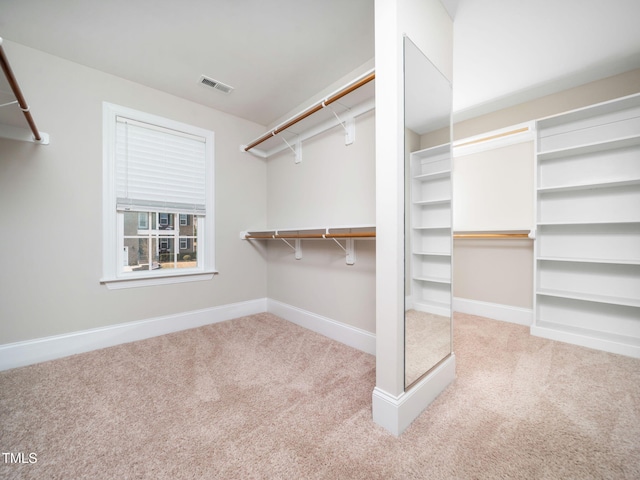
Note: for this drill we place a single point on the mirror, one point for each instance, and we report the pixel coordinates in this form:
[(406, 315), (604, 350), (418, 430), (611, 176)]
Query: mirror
[(428, 236)]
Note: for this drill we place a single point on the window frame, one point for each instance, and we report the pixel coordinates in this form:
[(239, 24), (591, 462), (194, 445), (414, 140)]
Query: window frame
[(114, 276)]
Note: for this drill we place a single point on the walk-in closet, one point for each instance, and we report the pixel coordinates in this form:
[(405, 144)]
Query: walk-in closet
[(364, 169)]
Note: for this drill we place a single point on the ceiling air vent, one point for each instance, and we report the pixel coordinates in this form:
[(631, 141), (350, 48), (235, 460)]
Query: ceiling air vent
[(210, 82)]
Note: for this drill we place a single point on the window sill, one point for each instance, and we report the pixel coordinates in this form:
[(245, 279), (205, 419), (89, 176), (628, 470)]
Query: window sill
[(147, 281)]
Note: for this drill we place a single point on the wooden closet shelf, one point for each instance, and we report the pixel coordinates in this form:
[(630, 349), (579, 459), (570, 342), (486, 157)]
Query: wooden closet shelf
[(349, 234), (267, 236)]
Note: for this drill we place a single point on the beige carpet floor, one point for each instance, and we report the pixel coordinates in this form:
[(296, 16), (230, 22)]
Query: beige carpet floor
[(261, 398)]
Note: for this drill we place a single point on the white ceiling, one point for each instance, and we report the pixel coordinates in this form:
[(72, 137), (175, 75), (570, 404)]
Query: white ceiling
[(510, 51), (278, 54)]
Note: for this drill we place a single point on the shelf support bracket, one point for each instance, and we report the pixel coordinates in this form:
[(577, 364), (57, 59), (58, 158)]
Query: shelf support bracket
[(297, 150), (15, 102), (348, 125), (297, 248), (349, 250)]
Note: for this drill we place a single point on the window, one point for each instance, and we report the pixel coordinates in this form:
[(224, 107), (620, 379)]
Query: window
[(143, 221), (158, 200)]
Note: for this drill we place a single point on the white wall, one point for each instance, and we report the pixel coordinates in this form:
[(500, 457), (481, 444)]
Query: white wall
[(51, 197), (493, 189), (499, 272), (594, 92), (334, 185)]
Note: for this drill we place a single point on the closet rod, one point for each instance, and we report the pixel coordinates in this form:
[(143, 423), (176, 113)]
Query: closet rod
[(319, 106), (490, 235), (13, 83), (311, 235)]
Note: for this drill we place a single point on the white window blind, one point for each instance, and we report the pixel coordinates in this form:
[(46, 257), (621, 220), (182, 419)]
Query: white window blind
[(159, 169)]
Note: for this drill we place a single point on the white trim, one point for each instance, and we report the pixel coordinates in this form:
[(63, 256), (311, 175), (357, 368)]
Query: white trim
[(352, 336), (495, 311), (19, 354), (112, 223), (584, 340), (180, 276), (395, 414), (495, 139), (28, 352), (409, 303)]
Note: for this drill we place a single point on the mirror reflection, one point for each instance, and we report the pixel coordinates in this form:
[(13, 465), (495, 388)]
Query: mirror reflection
[(428, 240)]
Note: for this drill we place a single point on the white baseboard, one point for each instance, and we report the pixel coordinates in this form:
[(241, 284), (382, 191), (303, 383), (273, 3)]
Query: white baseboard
[(395, 414), (352, 336), (438, 309), (28, 352), (585, 340), (19, 354), (495, 311)]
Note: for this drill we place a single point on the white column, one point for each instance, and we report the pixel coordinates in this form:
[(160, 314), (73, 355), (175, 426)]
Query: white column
[(430, 27)]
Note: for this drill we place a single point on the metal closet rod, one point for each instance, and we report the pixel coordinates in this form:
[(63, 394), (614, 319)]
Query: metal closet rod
[(311, 235), (13, 83), (319, 106)]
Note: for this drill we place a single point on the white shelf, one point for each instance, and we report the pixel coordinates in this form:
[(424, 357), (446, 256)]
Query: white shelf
[(612, 261), (623, 142), (628, 345), (593, 128), (614, 204), (618, 243), (432, 202), (430, 222), (435, 153), (347, 233), (432, 279), (581, 222), (588, 186), (425, 177), (588, 297), (435, 227)]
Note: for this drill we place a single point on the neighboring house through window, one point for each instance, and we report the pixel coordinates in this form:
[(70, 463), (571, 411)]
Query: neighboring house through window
[(158, 195)]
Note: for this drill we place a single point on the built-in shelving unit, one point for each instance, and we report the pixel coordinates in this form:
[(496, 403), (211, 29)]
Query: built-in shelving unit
[(587, 286), (430, 230)]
